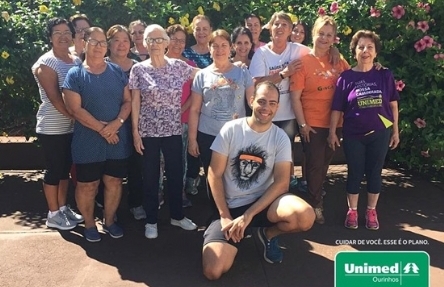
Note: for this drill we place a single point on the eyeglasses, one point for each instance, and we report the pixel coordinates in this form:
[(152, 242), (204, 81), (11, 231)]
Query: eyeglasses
[(93, 42), (157, 40), (64, 33), (179, 41), (80, 30), (137, 32)]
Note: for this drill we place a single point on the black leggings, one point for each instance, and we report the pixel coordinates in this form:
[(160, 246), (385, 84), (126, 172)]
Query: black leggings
[(171, 148), (58, 160), (366, 156), (205, 141)]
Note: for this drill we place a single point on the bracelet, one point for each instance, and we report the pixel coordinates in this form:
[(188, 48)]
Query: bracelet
[(281, 75)]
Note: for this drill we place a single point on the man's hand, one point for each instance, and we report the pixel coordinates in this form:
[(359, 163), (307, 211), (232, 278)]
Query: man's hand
[(226, 223), (236, 228)]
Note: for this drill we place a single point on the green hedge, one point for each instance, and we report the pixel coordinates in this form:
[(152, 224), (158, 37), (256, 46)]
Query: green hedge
[(397, 23)]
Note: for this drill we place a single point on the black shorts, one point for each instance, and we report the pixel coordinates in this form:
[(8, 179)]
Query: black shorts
[(214, 233), (89, 172)]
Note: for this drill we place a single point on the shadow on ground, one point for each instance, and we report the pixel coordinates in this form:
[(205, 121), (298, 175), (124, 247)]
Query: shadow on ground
[(409, 209)]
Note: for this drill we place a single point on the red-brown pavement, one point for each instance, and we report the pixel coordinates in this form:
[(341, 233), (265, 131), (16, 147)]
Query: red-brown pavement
[(409, 209)]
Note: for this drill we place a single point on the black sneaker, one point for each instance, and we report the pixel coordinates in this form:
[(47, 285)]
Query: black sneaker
[(272, 251)]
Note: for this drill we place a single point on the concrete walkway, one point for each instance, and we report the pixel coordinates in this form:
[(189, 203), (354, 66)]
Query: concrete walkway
[(32, 255)]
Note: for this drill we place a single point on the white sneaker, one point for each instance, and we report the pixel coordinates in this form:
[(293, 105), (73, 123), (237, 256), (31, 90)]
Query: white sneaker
[(151, 231), (185, 223), (60, 221), (72, 215), (138, 212)]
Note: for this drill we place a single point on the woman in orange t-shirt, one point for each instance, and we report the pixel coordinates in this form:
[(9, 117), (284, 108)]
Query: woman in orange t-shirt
[(312, 89)]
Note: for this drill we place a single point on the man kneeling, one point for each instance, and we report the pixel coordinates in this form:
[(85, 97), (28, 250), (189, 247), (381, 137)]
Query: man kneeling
[(249, 178)]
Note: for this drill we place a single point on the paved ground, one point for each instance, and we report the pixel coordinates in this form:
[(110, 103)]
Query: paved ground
[(32, 255)]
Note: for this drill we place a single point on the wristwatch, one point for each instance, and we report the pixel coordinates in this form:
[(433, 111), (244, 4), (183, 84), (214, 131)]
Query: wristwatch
[(121, 120), (281, 75), (302, 126)]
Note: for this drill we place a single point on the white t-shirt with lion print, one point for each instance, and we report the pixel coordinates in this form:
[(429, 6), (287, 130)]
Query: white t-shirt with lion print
[(251, 159)]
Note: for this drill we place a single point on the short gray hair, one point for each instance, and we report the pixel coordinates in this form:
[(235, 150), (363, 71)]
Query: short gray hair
[(152, 28)]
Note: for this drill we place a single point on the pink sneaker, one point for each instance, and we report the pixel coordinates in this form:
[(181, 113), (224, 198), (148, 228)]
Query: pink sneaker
[(351, 220), (371, 219)]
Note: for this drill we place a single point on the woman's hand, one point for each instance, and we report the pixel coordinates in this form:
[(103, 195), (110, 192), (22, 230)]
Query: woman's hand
[(113, 139), (112, 128), (193, 148), (394, 140), (378, 66), (292, 68), (335, 56), (138, 144), (305, 133), (333, 141), (240, 64)]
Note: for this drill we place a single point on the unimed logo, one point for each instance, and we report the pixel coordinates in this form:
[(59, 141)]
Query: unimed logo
[(382, 268)]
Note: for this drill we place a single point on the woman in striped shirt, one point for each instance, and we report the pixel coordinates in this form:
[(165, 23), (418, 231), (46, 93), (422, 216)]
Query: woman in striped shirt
[(54, 124)]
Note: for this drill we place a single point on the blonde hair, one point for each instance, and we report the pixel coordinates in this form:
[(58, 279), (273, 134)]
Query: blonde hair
[(323, 21), (278, 15)]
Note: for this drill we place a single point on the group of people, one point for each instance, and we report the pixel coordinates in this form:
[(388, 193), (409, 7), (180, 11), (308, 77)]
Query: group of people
[(131, 102)]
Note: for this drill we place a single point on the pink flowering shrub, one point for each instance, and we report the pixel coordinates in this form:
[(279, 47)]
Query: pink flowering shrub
[(398, 11), (334, 7), (374, 12), (411, 31), (423, 26), (399, 85)]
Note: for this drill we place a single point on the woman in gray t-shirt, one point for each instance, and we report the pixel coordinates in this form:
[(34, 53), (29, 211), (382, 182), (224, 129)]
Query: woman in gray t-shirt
[(217, 97)]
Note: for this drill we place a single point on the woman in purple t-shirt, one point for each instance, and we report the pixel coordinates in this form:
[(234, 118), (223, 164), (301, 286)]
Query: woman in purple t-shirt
[(369, 102)]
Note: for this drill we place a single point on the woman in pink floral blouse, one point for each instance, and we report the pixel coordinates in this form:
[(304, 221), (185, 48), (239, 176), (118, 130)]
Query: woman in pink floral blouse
[(156, 87)]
